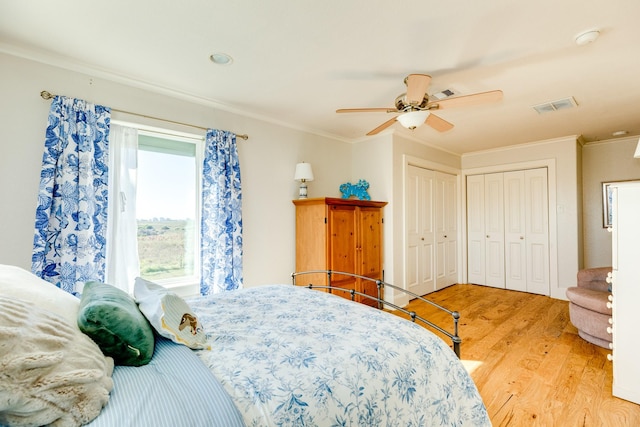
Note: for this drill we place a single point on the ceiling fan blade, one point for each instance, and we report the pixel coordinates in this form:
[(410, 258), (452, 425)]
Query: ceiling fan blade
[(467, 100), (366, 110), (438, 123), (382, 127), (417, 85)]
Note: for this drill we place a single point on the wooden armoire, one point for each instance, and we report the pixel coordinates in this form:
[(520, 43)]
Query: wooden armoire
[(340, 235)]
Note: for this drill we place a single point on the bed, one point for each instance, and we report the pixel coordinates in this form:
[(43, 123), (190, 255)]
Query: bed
[(280, 355)]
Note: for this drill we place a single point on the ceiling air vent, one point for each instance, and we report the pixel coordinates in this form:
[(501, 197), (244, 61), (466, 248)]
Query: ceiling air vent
[(444, 94), (561, 104)]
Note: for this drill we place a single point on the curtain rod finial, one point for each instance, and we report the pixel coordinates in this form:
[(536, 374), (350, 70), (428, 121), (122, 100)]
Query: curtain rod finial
[(46, 95)]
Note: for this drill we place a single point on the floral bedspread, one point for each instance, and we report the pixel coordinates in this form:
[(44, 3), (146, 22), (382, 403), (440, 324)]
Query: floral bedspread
[(290, 356)]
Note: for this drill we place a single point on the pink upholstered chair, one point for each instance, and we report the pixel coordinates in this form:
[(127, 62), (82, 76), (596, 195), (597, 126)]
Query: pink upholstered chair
[(588, 309)]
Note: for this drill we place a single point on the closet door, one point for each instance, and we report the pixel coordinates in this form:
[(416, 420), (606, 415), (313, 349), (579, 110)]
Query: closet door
[(514, 231), (494, 229), (420, 253), (475, 230), (537, 231), (446, 230), (508, 230)]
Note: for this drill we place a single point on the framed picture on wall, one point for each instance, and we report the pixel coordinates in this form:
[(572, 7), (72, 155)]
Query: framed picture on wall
[(607, 208)]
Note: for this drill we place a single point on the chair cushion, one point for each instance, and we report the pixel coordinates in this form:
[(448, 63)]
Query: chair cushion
[(594, 324), (594, 278), (595, 340), (589, 299)]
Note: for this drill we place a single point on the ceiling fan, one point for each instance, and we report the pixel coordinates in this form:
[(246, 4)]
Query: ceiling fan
[(415, 107)]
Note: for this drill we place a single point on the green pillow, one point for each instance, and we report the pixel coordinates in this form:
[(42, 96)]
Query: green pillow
[(112, 319)]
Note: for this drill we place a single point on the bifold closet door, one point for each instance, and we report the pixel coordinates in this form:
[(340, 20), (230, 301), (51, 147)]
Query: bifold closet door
[(537, 231), (432, 232), (508, 230), (514, 231), (494, 229), (446, 230), (527, 231), (475, 229), (420, 251), (485, 230)]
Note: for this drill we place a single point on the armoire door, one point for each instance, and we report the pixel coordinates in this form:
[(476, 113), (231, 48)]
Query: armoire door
[(342, 244), (420, 251), (369, 249)]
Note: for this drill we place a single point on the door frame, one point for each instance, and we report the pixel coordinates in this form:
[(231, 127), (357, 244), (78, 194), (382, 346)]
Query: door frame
[(550, 164)]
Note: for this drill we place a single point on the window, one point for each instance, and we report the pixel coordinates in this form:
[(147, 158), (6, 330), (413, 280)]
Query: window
[(167, 209)]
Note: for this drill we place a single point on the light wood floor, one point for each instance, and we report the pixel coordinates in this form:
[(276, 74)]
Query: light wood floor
[(527, 360)]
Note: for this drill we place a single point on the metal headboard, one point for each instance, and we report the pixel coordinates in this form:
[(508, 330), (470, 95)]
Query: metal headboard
[(380, 301)]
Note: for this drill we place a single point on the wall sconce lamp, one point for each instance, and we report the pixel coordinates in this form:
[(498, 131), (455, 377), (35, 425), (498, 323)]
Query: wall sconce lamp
[(303, 174), (637, 153)]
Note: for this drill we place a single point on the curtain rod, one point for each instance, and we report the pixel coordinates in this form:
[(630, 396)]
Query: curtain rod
[(48, 95)]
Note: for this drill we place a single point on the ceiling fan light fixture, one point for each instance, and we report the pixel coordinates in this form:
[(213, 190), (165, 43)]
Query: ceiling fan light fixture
[(413, 119)]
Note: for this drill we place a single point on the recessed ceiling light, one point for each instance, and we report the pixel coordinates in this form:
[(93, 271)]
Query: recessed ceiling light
[(587, 37), (619, 133), (221, 58)]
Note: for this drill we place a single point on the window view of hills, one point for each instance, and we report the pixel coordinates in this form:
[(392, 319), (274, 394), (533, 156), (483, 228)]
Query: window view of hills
[(163, 248)]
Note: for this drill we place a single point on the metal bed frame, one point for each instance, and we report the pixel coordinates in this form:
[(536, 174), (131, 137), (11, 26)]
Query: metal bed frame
[(381, 302)]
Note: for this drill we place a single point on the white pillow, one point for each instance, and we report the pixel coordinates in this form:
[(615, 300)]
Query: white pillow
[(169, 314), (22, 284), (52, 374)]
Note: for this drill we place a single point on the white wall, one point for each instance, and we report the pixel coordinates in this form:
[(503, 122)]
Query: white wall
[(604, 161), (565, 198), (267, 160)]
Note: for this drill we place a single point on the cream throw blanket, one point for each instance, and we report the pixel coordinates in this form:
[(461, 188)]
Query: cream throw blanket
[(50, 372)]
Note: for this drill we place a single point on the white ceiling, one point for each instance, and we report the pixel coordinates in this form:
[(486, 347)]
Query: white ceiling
[(296, 62)]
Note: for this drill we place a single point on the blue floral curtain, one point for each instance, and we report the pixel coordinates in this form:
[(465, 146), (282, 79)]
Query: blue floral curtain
[(221, 247), (69, 240)]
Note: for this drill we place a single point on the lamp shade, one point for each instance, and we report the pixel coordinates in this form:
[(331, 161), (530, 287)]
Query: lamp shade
[(637, 153), (303, 172), (413, 119)]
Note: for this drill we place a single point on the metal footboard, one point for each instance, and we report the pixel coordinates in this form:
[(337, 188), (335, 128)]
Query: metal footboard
[(380, 301)]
